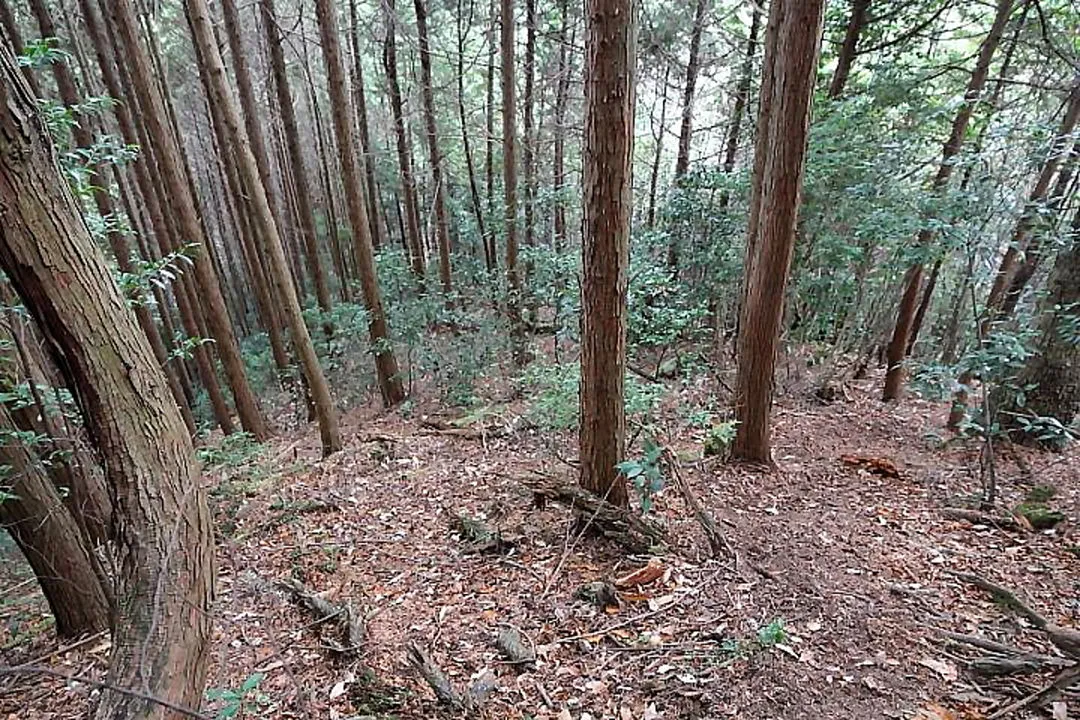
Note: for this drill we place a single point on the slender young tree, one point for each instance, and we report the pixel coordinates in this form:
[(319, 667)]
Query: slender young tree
[(401, 132), (509, 141), (610, 48), (366, 149), (183, 203), (562, 90), (222, 97), (390, 385), (528, 144), (164, 537), (849, 48), (442, 223), (742, 96), (792, 42)]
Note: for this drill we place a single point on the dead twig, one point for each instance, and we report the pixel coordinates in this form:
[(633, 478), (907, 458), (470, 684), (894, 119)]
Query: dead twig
[(717, 541), (1061, 683)]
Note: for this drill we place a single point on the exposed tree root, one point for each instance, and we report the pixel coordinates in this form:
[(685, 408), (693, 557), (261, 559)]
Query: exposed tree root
[(353, 629)]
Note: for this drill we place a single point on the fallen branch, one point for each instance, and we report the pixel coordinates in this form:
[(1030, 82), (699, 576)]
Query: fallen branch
[(434, 676), (1004, 596), (1061, 683), (980, 518), (717, 541), (350, 622), (632, 532)]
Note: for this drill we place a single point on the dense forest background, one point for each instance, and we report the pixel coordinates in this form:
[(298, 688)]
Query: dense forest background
[(595, 236)]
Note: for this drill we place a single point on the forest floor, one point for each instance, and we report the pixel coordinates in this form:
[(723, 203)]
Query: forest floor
[(833, 609)]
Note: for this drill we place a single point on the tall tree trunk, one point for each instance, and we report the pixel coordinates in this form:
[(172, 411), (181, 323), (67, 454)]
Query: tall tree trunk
[(905, 317), (849, 49), (442, 225), (401, 133), (924, 305), (164, 589), (221, 95), (562, 90), (528, 162), (489, 120), (474, 192), (509, 115), (610, 50), (390, 385), (69, 95), (50, 539), (11, 30), (1052, 374), (658, 153), (183, 205), (742, 97), (365, 134), (253, 125), (792, 42), (686, 125)]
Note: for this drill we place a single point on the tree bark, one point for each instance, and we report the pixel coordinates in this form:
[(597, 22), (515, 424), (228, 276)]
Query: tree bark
[(390, 385), (401, 133), (365, 134), (562, 90), (221, 95), (905, 317), (610, 48), (11, 29), (489, 158), (474, 192), (849, 49), (50, 539), (162, 616), (509, 141), (528, 162), (442, 225), (791, 50), (183, 205), (742, 97)]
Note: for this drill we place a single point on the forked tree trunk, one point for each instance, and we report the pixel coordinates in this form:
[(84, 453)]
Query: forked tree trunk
[(390, 385), (913, 278), (164, 539), (509, 142), (50, 539), (183, 204), (791, 50), (610, 48), (850, 47), (222, 97), (442, 224), (401, 133)]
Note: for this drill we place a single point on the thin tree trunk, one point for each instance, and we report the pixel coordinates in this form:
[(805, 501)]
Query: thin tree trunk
[(849, 49), (791, 51), (742, 97), (924, 305), (162, 615), (365, 136), (905, 318), (390, 385), (509, 140), (658, 153), (474, 192), (489, 120), (528, 139), (221, 95), (401, 133), (610, 47), (562, 90), (442, 226)]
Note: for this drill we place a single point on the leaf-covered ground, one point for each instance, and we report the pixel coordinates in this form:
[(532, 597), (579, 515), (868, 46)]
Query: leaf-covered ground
[(833, 608)]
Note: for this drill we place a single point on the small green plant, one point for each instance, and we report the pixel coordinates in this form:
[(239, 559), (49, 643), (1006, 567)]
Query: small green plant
[(645, 473), (719, 438), (235, 449), (772, 634), (240, 701)]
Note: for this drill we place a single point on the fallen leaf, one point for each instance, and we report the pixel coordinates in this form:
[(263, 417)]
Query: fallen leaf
[(945, 669), (642, 576), (933, 711), (338, 690), (1061, 711)]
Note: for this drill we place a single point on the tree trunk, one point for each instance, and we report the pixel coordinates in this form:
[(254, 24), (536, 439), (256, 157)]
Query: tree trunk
[(11, 30), (562, 90), (50, 539), (509, 139), (611, 51), (849, 48), (365, 135), (183, 205), (222, 97), (924, 305), (474, 192), (528, 162), (1052, 374), (905, 317), (686, 125), (791, 51), (393, 392), (658, 153), (442, 226), (489, 120), (742, 97), (401, 133), (162, 616)]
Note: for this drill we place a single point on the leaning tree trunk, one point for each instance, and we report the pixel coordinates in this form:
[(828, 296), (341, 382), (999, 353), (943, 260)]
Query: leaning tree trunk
[(442, 223), (905, 316), (221, 95), (390, 385), (610, 47), (849, 49), (791, 50), (164, 537), (1051, 377), (742, 97), (50, 539), (366, 149), (184, 205)]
